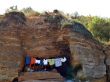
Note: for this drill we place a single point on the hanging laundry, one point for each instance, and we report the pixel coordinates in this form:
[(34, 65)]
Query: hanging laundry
[(27, 60), (32, 61), (45, 61), (63, 59), (41, 62), (51, 61), (37, 61), (58, 62)]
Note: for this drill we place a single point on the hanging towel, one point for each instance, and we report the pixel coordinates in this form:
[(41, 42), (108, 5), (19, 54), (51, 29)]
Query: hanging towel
[(45, 61), (63, 59), (32, 61), (27, 60), (58, 62), (51, 61), (37, 61)]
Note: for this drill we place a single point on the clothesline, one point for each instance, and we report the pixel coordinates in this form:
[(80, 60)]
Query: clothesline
[(43, 62)]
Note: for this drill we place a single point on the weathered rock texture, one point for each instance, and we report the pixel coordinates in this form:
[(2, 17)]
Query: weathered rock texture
[(91, 58), (107, 52), (45, 36), (50, 76), (89, 53), (10, 49)]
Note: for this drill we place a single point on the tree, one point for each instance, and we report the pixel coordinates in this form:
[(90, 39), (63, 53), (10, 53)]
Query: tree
[(100, 28)]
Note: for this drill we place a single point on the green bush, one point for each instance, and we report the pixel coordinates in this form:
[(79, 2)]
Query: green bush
[(30, 12), (100, 28)]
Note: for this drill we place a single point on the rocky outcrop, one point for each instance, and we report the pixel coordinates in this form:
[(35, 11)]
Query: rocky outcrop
[(10, 54), (40, 76), (20, 36), (107, 52), (44, 34), (10, 50), (91, 59), (89, 53)]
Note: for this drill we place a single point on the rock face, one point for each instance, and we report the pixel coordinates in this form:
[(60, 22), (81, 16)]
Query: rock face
[(89, 53), (91, 58), (43, 35), (40, 39), (10, 50), (40, 76), (107, 52)]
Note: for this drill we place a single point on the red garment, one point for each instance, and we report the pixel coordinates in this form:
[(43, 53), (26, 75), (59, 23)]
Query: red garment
[(32, 61)]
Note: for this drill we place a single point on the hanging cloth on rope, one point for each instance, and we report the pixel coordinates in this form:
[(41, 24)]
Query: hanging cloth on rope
[(45, 61), (37, 61), (27, 60), (51, 61), (58, 62), (63, 59), (32, 61)]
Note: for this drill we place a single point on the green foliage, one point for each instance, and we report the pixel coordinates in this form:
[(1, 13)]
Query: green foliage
[(85, 20), (30, 12), (65, 22), (100, 28)]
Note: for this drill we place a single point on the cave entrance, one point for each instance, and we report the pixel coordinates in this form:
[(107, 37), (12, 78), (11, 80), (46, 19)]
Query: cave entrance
[(58, 63)]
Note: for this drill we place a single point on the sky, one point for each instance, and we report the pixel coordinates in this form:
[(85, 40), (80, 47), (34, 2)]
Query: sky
[(83, 7)]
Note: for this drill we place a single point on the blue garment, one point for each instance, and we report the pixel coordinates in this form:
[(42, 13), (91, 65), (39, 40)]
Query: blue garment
[(41, 62), (27, 60)]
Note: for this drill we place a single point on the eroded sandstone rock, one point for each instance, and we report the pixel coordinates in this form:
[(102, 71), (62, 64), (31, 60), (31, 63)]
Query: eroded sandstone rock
[(37, 35), (107, 52)]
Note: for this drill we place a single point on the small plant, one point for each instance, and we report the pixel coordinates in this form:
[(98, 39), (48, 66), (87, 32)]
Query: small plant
[(30, 12)]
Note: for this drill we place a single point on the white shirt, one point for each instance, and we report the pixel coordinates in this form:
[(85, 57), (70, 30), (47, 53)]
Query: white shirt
[(37, 61), (63, 59), (45, 61)]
